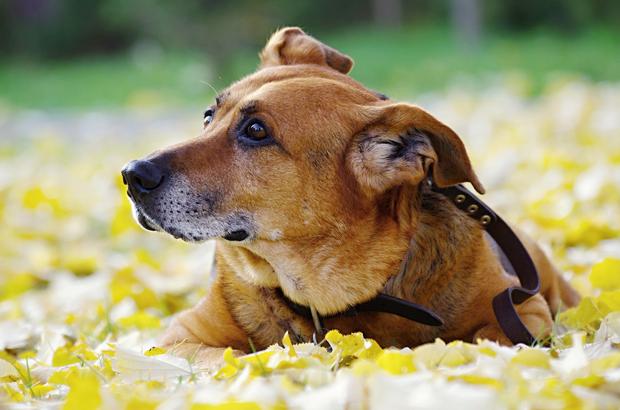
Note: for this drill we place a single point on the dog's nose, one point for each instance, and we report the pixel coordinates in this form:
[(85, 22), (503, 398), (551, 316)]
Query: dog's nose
[(142, 176)]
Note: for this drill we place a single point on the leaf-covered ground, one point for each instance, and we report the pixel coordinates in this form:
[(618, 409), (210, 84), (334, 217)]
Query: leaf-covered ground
[(84, 292)]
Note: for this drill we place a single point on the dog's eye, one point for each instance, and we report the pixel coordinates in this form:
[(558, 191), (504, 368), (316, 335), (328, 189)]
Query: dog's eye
[(208, 117), (256, 131), (253, 133)]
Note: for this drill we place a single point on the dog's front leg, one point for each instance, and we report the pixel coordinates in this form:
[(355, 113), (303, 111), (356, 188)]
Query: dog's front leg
[(181, 342), (202, 333), (534, 313)]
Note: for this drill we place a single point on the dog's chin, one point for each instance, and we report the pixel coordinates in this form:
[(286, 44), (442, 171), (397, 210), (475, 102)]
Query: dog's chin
[(143, 222), (235, 235)]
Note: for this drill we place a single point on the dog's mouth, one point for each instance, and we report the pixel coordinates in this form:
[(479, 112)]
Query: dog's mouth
[(238, 235), (144, 221), (230, 231)]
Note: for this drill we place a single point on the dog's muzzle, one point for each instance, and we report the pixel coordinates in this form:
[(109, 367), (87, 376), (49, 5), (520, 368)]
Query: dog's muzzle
[(163, 201)]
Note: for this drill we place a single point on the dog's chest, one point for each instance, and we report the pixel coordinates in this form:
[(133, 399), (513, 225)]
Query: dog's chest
[(267, 318)]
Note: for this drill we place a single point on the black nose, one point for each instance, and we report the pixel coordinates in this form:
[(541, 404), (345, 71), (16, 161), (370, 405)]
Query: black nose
[(142, 176)]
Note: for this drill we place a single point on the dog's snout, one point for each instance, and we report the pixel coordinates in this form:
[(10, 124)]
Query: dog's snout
[(142, 176)]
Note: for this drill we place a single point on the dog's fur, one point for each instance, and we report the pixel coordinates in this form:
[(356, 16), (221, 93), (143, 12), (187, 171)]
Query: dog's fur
[(332, 206)]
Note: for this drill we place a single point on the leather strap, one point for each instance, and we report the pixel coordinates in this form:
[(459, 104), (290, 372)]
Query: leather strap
[(516, 255), (381, 303), (504, 303)]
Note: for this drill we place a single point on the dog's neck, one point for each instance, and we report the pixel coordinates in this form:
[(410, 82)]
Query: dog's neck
[(444, 242), (415, 238)]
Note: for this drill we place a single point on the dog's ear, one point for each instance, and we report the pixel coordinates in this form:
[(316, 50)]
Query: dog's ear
[(403, 144), (291, 45)]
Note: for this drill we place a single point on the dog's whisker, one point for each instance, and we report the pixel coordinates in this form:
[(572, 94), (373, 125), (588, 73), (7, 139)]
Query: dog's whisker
[(210, 86)]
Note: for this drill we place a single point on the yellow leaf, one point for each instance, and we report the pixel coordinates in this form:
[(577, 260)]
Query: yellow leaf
[(532, 358), (79, 263), (84, 391), (106, 369), (145, 298), (605, 275), (226, 372), (229, 357), (396, 362), (608, 302), (63, 356), (8, 373), (586, 315), (486, 350), (125, 284), (138, 403), (40, 390), (354, 345), (366, 367), (72, 353), (453, 357), (155, 351), (482, 380), (21, 369), (297, 363), (602, 364), (144, 256), (16, 284), (153, 384), (29, 354), (34, 197), (371, 350), (430, 354), (258, 359), (286, 341), (61, 376), (591, 381), (140, 320), (231, 365), (333, 337), (13, 393), (558, 391), (231, 405)]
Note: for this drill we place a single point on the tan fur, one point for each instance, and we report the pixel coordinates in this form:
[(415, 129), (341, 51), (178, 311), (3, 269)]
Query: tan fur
[(338, 203)]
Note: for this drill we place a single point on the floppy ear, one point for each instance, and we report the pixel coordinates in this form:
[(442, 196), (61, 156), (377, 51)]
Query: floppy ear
[(291, 45), (403, 145)]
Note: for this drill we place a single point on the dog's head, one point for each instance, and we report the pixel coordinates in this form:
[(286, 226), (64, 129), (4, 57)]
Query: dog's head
[(297, 151)]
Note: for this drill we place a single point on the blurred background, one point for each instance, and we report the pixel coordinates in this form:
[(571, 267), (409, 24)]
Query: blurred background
[(110, 53)]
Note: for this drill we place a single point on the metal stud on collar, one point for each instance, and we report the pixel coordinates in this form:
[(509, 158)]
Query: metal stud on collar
[(472, 208)]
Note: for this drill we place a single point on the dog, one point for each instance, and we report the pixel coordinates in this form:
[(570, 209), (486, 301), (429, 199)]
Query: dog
[(315, 190)]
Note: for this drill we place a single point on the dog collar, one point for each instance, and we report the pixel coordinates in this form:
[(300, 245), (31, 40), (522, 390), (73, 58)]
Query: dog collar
[(381, 303), (513, 256)]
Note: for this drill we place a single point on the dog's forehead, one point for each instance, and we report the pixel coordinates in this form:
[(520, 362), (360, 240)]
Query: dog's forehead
[(306, 106), (300, 81)]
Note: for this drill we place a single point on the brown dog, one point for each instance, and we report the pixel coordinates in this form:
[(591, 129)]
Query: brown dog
[(314, 188)]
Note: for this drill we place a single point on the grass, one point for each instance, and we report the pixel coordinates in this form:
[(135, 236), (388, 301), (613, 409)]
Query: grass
[(398, 62)]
